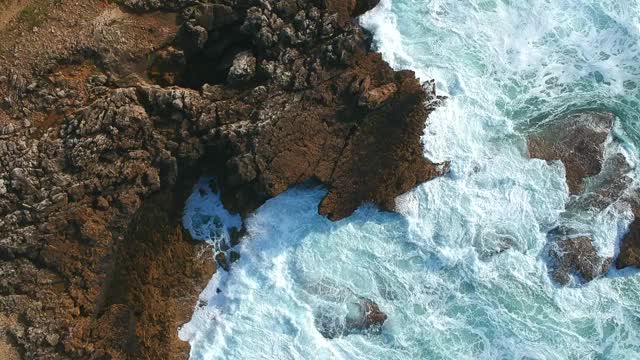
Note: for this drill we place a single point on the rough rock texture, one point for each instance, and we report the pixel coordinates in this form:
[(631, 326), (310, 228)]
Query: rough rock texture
[(630, 245), (595, 181), (96, 162), (578, 141), (371, 316), (345, 109), (575, 255)]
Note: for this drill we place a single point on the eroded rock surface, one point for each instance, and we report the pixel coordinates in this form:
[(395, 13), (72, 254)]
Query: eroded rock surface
[(96, 161), (577, 140), (573, 257), (596, 180), (630, 244)]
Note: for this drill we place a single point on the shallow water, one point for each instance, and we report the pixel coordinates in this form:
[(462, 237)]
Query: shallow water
[(460, 270)]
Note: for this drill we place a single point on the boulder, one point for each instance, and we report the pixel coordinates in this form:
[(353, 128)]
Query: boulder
[(630, 245), (243, 68), (578, 140), (575, 257)]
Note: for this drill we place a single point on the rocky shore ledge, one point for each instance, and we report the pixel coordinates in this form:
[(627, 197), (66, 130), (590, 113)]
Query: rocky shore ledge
[(109, 113)]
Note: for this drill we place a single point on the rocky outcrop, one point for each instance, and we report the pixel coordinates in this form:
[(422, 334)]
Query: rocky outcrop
[(370, 317), (344, 107), (150, 5), (95, 163), (630, 244), (596, 182), (575, 259), (342, 312), (577, 140)]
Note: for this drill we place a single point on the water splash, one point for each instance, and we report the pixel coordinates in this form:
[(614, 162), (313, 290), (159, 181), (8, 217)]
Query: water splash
[(460, 271)]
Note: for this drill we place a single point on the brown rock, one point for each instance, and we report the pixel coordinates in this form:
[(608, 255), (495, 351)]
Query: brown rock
[(577, 140), (374, 98), (113, 265), (372, 315), (630, 245), (576, 256), (223, 262)]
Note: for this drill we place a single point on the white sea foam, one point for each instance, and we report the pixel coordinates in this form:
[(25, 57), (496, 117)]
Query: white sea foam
[(461, 270), (206, 218)]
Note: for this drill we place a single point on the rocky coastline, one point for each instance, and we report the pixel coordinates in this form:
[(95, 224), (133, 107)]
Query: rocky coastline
[(104, 132), (111, 111)]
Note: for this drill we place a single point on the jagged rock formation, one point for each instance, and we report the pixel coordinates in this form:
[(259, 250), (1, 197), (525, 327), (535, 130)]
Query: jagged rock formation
[(578, 141), (574, 255), (630, 245), (96, 161), (596, 182)]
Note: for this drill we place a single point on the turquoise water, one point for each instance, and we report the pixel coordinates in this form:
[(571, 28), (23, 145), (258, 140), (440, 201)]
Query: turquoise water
[(437, 268)]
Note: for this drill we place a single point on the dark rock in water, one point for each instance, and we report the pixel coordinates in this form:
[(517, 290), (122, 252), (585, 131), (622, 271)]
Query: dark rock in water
[(364, 317), (223, 262), (234, 256), (371, 316), (575, 255), (577, 140), (606, 188), (630, 245)]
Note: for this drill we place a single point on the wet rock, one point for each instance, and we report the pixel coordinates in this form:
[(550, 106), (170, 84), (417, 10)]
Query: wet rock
[(364, 316), (605, 188), (236, 235), (577, 140), (630, 244), (223, 262), (575, 257), (343, 312), (371, 316)]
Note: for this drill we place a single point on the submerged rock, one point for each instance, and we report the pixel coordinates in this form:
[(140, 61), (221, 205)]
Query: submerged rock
[(342, 312), (364, 316), (578, 140), (575, 257)]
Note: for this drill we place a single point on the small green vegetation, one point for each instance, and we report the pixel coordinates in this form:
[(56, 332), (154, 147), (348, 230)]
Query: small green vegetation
[(33, 15)]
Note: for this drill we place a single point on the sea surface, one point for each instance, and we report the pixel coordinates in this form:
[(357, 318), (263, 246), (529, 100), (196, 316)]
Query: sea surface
[(461, 270)]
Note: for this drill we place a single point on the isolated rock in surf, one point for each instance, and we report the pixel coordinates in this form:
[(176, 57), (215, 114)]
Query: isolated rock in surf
[(577, 140), (630, 244), (573, 256)]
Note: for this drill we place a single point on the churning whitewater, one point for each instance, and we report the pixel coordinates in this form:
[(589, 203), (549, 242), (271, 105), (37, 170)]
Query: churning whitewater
[(460, 270)]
